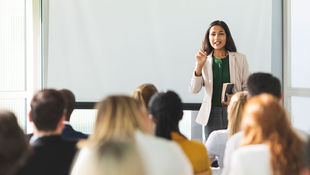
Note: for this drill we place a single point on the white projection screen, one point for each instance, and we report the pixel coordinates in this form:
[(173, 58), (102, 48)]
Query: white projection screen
[(100, 47)]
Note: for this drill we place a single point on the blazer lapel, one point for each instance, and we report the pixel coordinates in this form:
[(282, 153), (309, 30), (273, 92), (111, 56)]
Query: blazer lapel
[(232, 69), (209, 67)]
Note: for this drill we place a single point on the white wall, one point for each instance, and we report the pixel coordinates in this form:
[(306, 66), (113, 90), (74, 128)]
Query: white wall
[(99, 47)]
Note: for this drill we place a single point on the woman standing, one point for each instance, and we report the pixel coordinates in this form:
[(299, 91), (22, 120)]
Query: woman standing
[(217, 62)]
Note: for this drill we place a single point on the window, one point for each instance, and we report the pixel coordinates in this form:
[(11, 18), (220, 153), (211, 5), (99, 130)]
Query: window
[(296, 64), (18, 18)]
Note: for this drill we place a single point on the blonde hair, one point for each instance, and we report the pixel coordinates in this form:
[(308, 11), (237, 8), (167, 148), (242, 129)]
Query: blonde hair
[(265, 122), (118, 118), (235, 108), (144, 92), (111, 158), (116, 158)]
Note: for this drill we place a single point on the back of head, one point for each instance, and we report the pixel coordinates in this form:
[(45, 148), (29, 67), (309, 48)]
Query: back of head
[(144, 92), (265, 122), (118, 117), (166, 109), (235, 108), (69, 102), (47, 108), (259, 83), (14, 145)]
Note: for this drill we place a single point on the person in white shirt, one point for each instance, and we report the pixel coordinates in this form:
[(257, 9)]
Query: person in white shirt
[(122, 118), (257, 84), (111, 158), (217, 140), (269, 144)]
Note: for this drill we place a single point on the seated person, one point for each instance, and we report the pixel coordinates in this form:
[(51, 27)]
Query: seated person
[(122, 118), (14, 146), (166, 110), (51, 153), (68, 132), (113, 158), (269, 144), (217, 140), (143, 94), (257, 84)]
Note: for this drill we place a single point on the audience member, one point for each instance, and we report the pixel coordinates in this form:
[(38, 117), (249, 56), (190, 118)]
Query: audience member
[(269, 144), (112, 158), (217, 140), (166, 109), (52, 154), (143, 94), (68, 132), (14, 146), (121, 118), (257, 84)]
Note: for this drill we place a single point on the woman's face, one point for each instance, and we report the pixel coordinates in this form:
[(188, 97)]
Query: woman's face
[(217, 37)]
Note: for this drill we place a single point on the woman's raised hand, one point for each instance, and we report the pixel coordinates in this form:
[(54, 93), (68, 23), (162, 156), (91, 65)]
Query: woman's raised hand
[(201, 58)]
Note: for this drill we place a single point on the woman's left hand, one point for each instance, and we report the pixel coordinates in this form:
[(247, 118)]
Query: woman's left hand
[(228, 96)]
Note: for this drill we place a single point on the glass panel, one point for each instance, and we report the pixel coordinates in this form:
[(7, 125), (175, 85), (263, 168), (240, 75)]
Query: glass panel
[(299, 43), (12, 45), (16, 105), (83, 120), (299, 113)]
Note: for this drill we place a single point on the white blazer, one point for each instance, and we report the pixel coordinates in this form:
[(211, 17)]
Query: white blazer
[(239, 72)]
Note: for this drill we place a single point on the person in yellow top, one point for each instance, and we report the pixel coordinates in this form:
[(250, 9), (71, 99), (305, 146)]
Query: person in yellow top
[(166, 110)]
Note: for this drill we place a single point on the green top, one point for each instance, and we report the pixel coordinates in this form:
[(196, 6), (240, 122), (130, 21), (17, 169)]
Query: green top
[(221, 75)]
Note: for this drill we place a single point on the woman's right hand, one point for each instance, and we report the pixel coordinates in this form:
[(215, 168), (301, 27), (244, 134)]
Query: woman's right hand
[(201, 58)]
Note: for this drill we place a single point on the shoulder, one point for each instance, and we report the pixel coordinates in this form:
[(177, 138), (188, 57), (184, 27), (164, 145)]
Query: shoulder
[(257, 153), (218, 135), (154, 142), (70, 133), (236, 138), (238, 57), (154, 149), (84, 162), (155, 146), (251, 159), (196, 145), (252, 148), (234, 141), (237, 54)]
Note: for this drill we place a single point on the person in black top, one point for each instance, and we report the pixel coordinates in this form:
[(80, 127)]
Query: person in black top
[(68, 132), (51, 153)]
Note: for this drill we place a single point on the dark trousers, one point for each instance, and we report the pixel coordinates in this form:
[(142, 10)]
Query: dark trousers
[(217, 120)]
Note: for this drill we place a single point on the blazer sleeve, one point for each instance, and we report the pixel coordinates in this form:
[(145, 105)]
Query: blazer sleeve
[(245, 73), (196, 83)]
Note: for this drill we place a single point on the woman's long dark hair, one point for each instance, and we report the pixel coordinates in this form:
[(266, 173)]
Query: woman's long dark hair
[(230, 44), (166, 109)]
